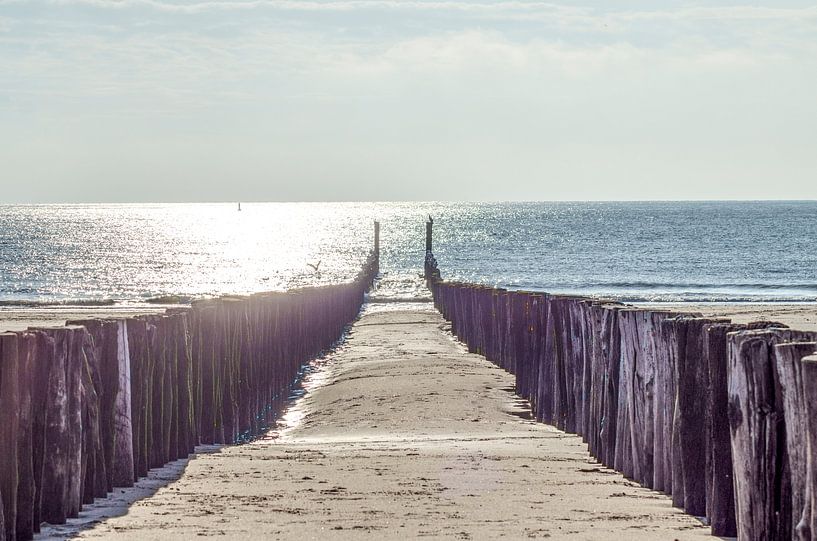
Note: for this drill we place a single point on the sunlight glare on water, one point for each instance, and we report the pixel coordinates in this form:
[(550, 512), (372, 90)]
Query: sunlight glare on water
[(137, 252)]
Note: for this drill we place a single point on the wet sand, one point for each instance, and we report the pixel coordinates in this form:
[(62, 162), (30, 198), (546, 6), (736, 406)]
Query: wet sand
[(404, 435)]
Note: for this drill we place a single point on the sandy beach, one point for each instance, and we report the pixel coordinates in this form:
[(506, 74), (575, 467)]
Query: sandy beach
[(801, 316), (19, 319), (404, 434)]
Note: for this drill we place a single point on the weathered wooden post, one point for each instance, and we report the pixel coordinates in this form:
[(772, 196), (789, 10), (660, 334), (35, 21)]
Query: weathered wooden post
[(536, 318), (43, 364), (664, 403), (623, 460), (377, 239), (26, 492), (720, 490), (757, 423), (56, 462), (789, 372), (584, 383), (498, 323), (611, 351), (123, 468), (94, 476), (429, 226), (807, 527), (432, 272), (74, 368), (720, 499), (559, 352), (9, 419), (693, 382)]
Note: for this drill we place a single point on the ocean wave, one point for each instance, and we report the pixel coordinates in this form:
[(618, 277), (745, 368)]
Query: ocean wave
[(704, 286), (663, 286)]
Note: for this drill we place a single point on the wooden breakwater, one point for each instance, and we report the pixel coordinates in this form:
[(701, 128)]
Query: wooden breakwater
[(721, 416), (95, 404)]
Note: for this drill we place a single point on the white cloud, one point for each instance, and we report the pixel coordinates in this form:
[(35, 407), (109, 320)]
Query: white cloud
[(419, 88), (731, 13), (512, 9), (331, 5), (192, 69)]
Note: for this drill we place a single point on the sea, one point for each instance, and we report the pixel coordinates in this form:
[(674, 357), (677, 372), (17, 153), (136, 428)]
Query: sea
[(133, 254)]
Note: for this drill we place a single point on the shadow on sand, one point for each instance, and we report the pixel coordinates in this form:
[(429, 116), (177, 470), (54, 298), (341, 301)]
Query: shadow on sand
[(117, 503)]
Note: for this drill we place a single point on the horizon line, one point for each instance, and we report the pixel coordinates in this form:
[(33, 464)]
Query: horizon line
[(385, 201)]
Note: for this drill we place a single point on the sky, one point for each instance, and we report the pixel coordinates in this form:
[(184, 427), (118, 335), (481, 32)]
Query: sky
[(315, 100)]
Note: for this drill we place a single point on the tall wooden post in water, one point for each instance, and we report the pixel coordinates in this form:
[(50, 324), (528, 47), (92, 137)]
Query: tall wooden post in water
[(432, 273), (377, 239), (376, 250)]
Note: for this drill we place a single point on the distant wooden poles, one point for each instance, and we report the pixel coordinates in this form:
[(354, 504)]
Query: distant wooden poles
[(95, 404), (721, 416)]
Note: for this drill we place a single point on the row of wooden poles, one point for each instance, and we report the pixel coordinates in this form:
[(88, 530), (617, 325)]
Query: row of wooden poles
[(97, 403), (721, 416)]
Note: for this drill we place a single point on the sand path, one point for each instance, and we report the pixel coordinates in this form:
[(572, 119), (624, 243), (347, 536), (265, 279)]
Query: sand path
[(408, 435)]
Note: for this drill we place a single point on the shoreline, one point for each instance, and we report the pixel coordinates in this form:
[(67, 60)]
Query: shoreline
[(21, 318), (800, 315)]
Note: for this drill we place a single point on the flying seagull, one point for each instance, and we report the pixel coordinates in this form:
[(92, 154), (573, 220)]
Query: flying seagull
[(316, 266)]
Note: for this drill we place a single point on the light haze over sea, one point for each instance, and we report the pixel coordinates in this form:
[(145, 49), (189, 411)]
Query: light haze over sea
[(631, 251)]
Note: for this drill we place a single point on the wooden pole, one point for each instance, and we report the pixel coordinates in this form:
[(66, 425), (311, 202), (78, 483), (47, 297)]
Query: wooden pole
[(94, 475), (74, 368), (693, 382), (25, 467), (431, 271), (787, 361), (377, 239), (807, 527), (623, 460), (9, 425), (720, 491), (757, 427), (43, 365)]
